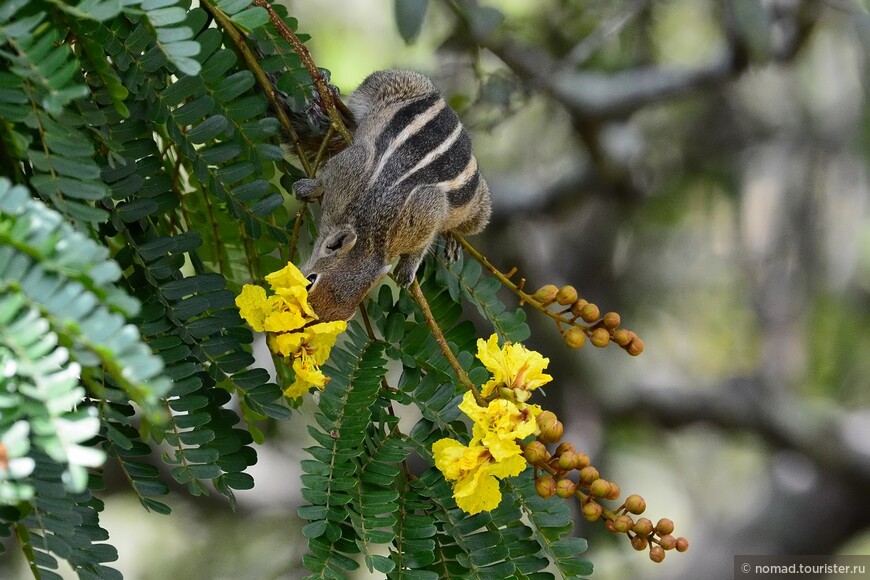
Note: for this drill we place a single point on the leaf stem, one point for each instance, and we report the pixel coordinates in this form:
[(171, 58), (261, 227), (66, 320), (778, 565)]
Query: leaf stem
[(253, 65), (325, 94), (524, 297), (423, 305)]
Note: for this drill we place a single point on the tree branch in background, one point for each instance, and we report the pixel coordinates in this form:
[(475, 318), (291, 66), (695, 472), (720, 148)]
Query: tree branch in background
[(741, 405)]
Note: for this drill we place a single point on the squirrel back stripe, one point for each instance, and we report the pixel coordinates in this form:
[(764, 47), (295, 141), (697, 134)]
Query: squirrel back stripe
[(401, 120), (424, 143)]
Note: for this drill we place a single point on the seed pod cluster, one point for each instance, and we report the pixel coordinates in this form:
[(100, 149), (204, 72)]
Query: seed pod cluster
[(580, 321), (554, 476)]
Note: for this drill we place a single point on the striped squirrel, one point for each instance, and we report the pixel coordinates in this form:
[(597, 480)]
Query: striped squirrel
[(409, 175)]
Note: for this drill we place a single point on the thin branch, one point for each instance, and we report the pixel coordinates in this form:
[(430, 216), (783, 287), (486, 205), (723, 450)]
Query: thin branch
[(597, 96), (743, 405), (297, 226), (322, 88), (253, 64), (564, 317), (423, 305)]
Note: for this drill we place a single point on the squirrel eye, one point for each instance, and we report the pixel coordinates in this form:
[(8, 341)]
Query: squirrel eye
[(312, 278)]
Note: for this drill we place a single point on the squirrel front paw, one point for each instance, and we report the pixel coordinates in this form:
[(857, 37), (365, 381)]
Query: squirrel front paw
[(307, 189), (406, 270)]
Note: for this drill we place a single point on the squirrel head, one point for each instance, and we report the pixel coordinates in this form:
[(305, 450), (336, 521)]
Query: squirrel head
[(341, 272)]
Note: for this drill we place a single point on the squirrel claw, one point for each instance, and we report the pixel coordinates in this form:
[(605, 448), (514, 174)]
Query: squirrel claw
[(405, 271), (451, 248)]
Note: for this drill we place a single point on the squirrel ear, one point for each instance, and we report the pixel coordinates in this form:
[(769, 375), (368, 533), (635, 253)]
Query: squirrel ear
[(340, 242), (307, 189)]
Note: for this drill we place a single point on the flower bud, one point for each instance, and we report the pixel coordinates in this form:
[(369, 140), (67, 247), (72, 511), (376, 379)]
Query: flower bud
[(656, 554), (581, 460), (506, 393), (599, 487), (564, 447), (566, 461), (613, 491), (611, 320), (578, 306), (635, 347), (682, 544), (551, 428), (565, 488), (566, 295), (608, 524), (635, 504), (545, 486), (591, 511), (590, 313), (535, 452), (622, 337), (522, 395), (643, 527), (574, 337), (668, 542), (622, 524), (588, 475), (546, 294), (664, 527), (639, 543), (600, 337)]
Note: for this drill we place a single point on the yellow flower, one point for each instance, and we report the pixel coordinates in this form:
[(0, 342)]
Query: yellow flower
[(307, 375), (287, 277), (498, 425), (512, 365), (283, 317), (287, 318), (474, 473), (291, 285), (285, 343), (253, 306), (321, 337)]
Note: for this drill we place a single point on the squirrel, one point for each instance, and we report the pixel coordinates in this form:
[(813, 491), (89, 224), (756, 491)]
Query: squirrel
[(408, 176)]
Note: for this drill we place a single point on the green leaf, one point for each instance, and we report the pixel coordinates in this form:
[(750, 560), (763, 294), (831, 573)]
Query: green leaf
[(409, 18), (251, 18)]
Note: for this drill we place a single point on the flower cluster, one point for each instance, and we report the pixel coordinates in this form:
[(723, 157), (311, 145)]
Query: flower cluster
[(503, 419), (500, 422), (290, 323)]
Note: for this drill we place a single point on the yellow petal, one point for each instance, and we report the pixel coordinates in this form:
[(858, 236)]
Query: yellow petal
[(287, 277), (321, 337), (512, 365), (307, 371), (253, 306), (307, 375), (285, 343), (477, 492), (286, 321), (508, 468), (498, 426), (448, 455), (297, 297), (489, 353)]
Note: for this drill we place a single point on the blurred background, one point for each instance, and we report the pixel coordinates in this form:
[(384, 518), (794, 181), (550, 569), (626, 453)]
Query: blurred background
[(700, 167)]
